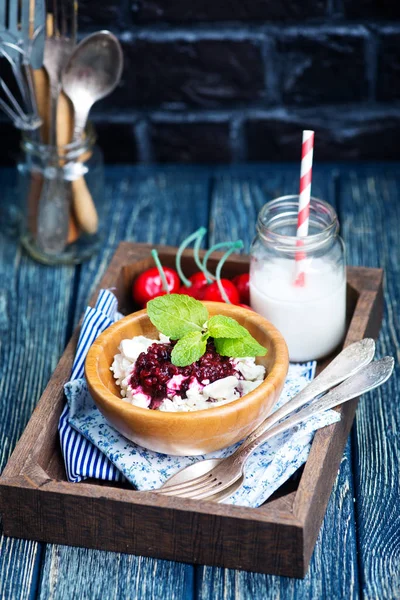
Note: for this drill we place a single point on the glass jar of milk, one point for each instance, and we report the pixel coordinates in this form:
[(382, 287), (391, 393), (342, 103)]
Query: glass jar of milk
[(312, 317)]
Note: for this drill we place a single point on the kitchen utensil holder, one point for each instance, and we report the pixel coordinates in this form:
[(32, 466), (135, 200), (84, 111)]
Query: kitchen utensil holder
[(79, 169)]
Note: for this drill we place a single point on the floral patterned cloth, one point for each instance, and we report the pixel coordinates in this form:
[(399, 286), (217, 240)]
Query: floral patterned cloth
[(266, 470)]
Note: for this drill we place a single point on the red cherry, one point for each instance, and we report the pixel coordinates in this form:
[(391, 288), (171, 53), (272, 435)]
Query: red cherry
[(198, 278), (212, 292), (242, 284), (148, 285), (198, 287), (196, 290)]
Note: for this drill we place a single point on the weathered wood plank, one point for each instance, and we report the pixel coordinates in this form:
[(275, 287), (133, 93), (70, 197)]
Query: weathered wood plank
[(333, 572), (86, 574), (333, 568), (143, 207), (34, 302), (370, 212)]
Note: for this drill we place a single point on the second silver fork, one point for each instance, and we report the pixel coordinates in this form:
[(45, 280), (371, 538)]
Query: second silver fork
[(346, 364), (214, 483)]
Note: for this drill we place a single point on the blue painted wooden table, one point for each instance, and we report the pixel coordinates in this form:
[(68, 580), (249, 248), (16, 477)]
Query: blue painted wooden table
[(357, 554)]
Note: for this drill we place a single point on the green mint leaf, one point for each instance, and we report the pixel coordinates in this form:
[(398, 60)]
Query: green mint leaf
[(177, 314), (188, 349), (239, 347), (220, 326)]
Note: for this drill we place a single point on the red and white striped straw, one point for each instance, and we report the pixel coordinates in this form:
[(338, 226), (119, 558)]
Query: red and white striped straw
[(307, 149)]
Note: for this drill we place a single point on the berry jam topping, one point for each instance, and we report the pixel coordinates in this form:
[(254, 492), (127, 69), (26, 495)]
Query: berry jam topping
[(154, 369)]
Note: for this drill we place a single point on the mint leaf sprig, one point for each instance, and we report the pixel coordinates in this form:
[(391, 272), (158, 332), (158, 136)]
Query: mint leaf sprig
[(185, 319)]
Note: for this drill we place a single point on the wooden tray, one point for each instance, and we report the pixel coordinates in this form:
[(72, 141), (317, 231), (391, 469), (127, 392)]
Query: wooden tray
[(37, 502)]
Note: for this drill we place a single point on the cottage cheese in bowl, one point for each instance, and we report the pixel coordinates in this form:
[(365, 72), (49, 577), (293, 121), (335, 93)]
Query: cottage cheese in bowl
[(147, 378)]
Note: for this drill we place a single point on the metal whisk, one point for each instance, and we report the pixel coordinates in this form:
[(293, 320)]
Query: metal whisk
[(22, 35)]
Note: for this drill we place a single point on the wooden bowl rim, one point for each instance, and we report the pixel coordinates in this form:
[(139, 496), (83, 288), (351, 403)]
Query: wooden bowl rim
[(270, 383)]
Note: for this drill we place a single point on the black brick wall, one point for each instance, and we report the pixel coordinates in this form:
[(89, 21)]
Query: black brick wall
[(322, 66), (225, 81), (200, 141), (181, 74)]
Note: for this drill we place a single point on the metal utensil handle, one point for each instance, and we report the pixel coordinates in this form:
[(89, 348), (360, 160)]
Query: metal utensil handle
[(81, 117), (53, 218), (368, 378), (55, 89), (346, 364)]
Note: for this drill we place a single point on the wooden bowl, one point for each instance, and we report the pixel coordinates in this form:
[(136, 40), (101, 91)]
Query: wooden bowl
[(186, 433)]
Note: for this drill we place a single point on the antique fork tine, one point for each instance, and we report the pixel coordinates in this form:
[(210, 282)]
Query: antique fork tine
[(56, 22), (3, 13), (74, 21), (231, 469), (13, 17), (25, 23), (37, 33), (64, 25), (68, 19)]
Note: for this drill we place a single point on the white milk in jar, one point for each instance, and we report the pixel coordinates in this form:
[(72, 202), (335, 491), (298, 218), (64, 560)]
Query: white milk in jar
[(311, 318)]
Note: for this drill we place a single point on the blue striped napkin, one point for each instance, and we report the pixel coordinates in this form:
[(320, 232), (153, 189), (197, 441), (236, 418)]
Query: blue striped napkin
[(82, 459), (92, 448)]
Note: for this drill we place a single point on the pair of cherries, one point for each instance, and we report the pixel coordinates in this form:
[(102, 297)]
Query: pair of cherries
[(236, 289), (148, 285)]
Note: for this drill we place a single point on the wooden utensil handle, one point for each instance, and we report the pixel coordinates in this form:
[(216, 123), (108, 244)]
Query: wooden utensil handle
[(82, 202), (83, 206), (64, 137)]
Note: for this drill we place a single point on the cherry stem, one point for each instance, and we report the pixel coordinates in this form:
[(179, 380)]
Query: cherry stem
[(199, 234), (164, 282), (197, 260), (235, 246), (208, 254)]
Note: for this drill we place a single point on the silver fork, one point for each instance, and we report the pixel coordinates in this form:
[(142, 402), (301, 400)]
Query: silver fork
[(54, 203), (346, 363), (231, 469), (57, 50)]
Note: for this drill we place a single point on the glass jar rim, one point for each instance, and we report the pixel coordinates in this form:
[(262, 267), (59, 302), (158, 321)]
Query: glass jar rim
[(70, 151), (289, 242)]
